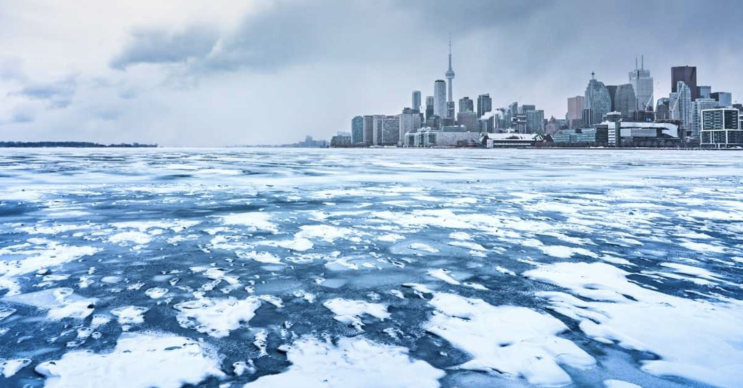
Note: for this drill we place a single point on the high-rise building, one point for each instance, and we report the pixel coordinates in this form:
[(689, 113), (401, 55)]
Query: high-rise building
[(439, 98), (386, 130), (410, 122), (721, 128), (687, 75), (526, 108), (534, 120), (368, 133), (357, 130), (724, 99), (704, 91), (466, 105), (662, 109), (697, 106), (575, 110), (642, 84), (469, 120), (680, 107), (612, 94), (450, 109), (484, 104), (625, 101), (429, 107), (596, 102), (450, 78), (417, 100)]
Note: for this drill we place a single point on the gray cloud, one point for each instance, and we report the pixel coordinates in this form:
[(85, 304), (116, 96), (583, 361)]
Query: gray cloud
[(153, 46), (58, 94)]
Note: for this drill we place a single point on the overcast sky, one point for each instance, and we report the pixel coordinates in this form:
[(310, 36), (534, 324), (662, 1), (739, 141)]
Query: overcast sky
[(224, 72)]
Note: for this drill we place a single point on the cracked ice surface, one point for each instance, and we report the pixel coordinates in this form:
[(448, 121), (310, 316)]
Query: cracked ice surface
[(370, 268)]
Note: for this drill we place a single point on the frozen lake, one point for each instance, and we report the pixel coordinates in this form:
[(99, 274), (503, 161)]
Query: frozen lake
[(370, 268)]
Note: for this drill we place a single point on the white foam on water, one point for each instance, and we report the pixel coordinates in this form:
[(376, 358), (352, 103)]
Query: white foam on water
[(516, 341), (695, 339), (261, 257), (255, 221), (351, 363), (216, 317), (61, 303), (139, 360), (139, 238)]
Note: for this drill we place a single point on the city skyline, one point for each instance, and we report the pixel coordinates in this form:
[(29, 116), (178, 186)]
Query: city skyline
[(194, 76)]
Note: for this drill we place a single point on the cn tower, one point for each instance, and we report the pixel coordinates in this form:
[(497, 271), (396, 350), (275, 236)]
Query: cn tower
[(450, 76)]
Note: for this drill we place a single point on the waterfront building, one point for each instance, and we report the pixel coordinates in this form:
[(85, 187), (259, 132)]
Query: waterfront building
[(368, 131), (447, 136), (697, 107), (410, 121), (680, 107), (721, 128), (582, 137), (534, 120), (596, 102), (687, 75), (439, 98), (357, 130), (642, 84), (386, 130)]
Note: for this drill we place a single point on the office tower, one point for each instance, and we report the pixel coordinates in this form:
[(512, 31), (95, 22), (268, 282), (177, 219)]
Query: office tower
[(386, 130), (687, 75), (704, 91), (721, 128), (410, 122), (662, 109), (534, 120), (724, 99), (416, 101), (357, 130), (469, 120), (439, 98), (697, 106), (642, 83), (369, 130), (484, 104), (612, 94), (527, 108), (625, 101), (450, 78), (429, 107), (680, 106), (450, 108), (575, 110), (596, 102), (466, 105)]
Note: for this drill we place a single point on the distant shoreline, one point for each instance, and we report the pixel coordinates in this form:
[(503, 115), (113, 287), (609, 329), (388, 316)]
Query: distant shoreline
[(70, 144)]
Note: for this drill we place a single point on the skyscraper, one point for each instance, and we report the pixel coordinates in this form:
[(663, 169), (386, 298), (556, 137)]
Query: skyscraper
[(534, 120), (439, 98), (642, 83), (357, 130), (704, 91), (466, 105), (697, 106), (612, 93), (416, 100), (597, 102), (450, 78), (724, 99), (625, 101), (429, 107), (688, 75), (484, 104), (575, 111), (680, 107), (410, 121)]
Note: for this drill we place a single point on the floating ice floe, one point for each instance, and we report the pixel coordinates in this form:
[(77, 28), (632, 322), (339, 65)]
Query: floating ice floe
[(216, 316), (695, 339), (61, 303), (8, 368), (619, 384), (261, 257), (444, 275), (140, 360), (156, 292), (350, 311), (130, 315), (516, 341), (40, 254), (255, 221), (352, 363)]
